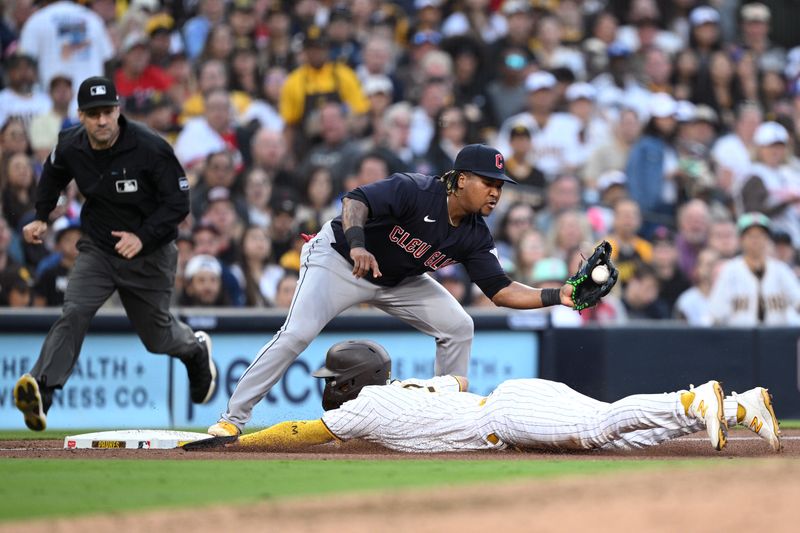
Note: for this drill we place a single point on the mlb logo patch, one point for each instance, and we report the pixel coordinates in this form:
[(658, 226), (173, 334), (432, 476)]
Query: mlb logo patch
[(126, 186), (97, 90), (183, 183)]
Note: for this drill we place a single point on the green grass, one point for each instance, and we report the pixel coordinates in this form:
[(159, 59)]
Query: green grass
[(75, 487)]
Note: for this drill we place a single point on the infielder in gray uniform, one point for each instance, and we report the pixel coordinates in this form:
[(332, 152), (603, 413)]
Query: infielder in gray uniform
[(389, 235)]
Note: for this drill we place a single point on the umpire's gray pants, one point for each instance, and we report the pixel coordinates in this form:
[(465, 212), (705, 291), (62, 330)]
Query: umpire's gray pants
[(145, 287), (326, 288)]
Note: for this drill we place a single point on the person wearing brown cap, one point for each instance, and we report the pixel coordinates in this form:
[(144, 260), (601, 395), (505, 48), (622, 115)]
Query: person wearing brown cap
[(136, 195)]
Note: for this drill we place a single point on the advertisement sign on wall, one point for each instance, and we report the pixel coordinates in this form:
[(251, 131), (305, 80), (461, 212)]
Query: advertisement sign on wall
[(118, 384)]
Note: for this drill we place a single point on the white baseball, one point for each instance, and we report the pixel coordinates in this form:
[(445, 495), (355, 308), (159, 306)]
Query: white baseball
[(600, 274)]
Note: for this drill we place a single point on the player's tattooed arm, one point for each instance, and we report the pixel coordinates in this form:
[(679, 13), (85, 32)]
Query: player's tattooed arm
[(354, 216)]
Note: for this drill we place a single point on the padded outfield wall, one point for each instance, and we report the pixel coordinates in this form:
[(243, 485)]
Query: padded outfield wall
[(118, 384)]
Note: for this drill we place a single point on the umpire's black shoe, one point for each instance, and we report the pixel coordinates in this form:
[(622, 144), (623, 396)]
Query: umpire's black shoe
[(202, 371), (34, 400)]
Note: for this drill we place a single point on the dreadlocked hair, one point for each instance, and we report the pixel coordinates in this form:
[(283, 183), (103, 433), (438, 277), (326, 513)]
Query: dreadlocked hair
[(450, 178)]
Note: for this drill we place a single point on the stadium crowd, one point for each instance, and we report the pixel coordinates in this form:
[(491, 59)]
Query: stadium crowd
[(661, 126)]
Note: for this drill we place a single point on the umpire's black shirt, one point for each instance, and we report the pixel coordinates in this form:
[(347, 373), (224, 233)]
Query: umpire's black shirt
[(137, 185)]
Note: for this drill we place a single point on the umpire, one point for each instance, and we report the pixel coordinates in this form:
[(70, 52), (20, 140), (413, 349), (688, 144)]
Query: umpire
[(136, 195)]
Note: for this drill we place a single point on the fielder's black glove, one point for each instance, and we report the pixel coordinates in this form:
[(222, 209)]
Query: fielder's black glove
[(586, 292)]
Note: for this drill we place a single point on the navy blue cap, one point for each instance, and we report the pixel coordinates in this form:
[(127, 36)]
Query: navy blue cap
[(482, 160)]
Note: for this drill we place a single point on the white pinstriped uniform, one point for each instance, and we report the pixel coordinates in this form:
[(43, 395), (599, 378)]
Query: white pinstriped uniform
[(432, 416)]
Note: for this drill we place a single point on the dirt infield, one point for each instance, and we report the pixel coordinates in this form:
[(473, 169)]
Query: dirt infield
[(756, 490), (742, 443)]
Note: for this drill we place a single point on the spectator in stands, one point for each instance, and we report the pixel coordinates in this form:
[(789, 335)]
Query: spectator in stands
[(434, 96), (731, 152), (318, 206), (208, 241), (613, 153), (603, 27), (393, 141), (554, 135), (773, 187), (196, 29), (222, 212), (268, 151), (213, 132), (755, 19), (518, 218), (469, 82), (284, 292), (203, 287), (10, 251), (594, 130), (785, 251), (693, 306), (135, 72), (531, 181), (640, 296), (257, 192), (449, 137), (219, 44), (551, 53), (279, 51), (51, 283), (379, 60), (652, 164), (754, 288), (338, 150), (672, 282), (44, 127), (213, 76), (570, 233), (530, 248), (563, 193), (380, 93), (319, 81), (256, 268), (264, 108), (15, 287), (21, 98), (66, 37), (694, 220), (344, 47), (283, 227), (611, 187), (218, 171), (507, 92), (723, 238), (18, 183), (629, 250)]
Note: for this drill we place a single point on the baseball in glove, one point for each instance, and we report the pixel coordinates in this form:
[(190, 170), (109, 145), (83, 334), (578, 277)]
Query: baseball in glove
[(586, 290)]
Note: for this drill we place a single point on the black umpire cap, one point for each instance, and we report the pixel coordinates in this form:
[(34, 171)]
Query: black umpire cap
[(482, 160), (97, 92)]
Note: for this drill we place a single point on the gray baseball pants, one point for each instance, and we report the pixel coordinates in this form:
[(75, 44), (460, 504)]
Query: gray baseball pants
[(326, 288), (145, 287)]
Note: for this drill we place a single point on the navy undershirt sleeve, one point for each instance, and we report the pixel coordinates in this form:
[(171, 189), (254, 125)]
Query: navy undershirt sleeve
[(493, 285)]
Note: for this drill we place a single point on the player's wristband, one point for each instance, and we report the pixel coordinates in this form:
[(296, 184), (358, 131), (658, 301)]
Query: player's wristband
[(551, 297), (355, 237)]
